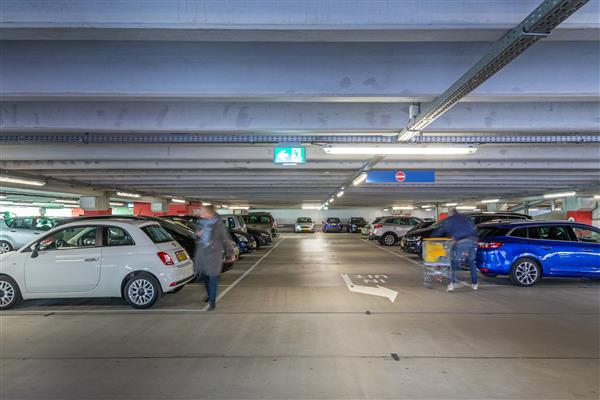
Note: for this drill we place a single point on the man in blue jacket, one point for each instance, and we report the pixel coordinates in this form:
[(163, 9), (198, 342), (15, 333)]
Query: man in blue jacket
[(464, 241)]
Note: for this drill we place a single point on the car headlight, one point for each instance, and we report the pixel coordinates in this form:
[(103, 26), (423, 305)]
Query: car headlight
[(413, 238), (298, 226), (241, 238)]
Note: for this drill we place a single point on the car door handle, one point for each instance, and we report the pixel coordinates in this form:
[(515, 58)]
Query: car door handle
[(36, 233), (91, 259)]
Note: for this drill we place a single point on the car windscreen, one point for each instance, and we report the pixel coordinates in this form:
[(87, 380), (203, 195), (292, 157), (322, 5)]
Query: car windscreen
[(304, 220), (157, 234), (491, 231), (333, 220), (357, 220)]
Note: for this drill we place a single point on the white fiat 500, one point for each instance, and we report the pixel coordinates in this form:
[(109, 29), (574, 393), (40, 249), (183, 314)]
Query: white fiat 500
[(135, 260)]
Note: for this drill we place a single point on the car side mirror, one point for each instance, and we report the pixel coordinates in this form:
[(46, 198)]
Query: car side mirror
[(35, 249)]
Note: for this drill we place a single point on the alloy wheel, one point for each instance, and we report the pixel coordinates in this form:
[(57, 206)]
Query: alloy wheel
[(141, 292), (526, 273), (7, 293), (5, 247), (389, 240)]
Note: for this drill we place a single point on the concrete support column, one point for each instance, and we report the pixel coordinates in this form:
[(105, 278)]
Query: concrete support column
[(95, 205), (580, 209), (159, 208)]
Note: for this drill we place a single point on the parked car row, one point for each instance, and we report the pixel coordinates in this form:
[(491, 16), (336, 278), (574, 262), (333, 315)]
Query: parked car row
[(412, 240), (513, 245), (137, 258)]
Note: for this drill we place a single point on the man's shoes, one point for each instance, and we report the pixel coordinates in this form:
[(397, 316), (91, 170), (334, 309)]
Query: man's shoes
[(476, 286), (206, 299), (211, 307), (450, 288)]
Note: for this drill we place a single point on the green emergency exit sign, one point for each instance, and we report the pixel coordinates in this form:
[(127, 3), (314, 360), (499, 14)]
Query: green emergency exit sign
[(289, 155)]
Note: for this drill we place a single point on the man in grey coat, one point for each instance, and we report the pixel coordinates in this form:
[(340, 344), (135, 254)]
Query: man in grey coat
[(211, 244)]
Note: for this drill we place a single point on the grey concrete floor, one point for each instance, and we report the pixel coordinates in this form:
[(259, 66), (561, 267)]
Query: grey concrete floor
[(288, 327)]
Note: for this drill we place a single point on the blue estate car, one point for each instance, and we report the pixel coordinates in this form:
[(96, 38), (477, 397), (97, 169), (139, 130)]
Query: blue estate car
[(528, 251)]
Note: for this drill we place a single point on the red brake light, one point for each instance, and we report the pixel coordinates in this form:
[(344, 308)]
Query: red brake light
[(377, 226), (165, 258), (489, 245)]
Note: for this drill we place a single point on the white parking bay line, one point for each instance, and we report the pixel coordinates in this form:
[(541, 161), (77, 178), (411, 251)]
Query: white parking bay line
[(224, 292)]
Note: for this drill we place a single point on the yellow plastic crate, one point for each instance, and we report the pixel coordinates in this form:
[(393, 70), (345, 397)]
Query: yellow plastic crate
[(436, 252)]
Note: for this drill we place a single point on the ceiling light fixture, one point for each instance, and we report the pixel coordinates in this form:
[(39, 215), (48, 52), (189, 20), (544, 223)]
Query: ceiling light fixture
[(65, 201), (466, 208), (427, 206), (21, 181), (360, 179), (2, 196), (205, 203), (534, 209), (180, 201), (557, 195), (331, 200), (403, 208), (239, 207), (340, 193), (490, 201), (116, 204), (403, 150), (597, 196), (450, 204), (311, 207), (125, 194)]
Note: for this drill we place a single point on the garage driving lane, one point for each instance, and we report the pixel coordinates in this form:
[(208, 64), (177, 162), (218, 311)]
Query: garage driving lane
[(292, 329)]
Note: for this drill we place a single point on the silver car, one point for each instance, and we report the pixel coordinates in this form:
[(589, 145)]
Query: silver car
[(262, 221), (234, 222), (390, 230), (19, 231)]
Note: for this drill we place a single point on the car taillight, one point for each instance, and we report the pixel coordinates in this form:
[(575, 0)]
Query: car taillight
[(489, 245), (165, 258), (377, 226)]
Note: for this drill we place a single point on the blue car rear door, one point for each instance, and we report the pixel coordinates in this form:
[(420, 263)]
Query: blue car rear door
[(588, 249), (556, 248)]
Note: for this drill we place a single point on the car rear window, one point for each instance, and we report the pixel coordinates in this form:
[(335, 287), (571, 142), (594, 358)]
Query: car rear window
[(304, 220), (520, 233), (333, 220), (157, 234), (357, 220), (491, 231)]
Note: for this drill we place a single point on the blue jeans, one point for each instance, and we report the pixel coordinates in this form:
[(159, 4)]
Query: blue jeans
[(459, 249), (210, 283)]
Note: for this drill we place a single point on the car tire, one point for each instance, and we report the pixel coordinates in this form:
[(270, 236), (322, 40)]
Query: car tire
[(525, 272), (5, 247), (176, 290), (389, 239), (10, 295), (141, 291)]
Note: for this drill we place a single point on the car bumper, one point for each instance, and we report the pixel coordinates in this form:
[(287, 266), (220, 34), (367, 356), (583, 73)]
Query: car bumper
[(493, 262), (411, 247), (299, 229), (174, 277)]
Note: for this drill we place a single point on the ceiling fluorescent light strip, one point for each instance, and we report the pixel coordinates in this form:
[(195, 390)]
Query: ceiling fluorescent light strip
[(557, 195), (22, 181), (400, 150)]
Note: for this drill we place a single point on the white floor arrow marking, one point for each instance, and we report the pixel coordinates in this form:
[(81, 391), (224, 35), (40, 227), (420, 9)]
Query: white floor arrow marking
[(375, 291)]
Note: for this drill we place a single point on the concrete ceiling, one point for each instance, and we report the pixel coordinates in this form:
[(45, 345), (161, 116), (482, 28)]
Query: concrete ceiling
[(290, 68)]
